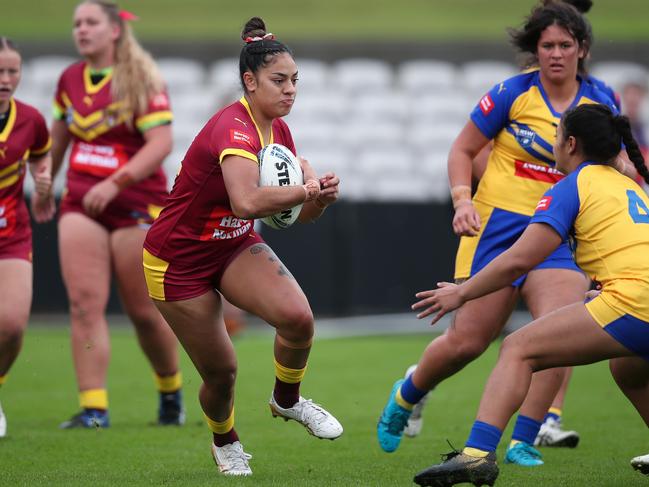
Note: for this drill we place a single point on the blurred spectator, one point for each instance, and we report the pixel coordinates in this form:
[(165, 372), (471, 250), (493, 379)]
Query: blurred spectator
[(634, 94)]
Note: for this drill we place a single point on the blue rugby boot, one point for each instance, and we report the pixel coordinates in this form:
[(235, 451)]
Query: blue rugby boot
[(170, 410), (524, 455), (392, 422), (87, 418)]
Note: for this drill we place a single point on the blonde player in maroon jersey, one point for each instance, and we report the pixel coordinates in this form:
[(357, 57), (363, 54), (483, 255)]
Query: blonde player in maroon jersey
[(24, 140), (112, 110), (204, 240)]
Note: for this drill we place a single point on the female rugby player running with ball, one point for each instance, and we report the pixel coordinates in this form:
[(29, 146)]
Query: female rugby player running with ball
[(204, 240)]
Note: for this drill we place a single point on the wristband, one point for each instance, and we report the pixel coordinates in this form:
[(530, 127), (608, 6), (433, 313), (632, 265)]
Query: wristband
[(311, 190), (460, 194), (122, 180)]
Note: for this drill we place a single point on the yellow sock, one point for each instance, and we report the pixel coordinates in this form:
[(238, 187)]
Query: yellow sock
[(514, 443), (169, 383), (221, 427), (287, 375), (93, 399), (556, 411), (475, 452)]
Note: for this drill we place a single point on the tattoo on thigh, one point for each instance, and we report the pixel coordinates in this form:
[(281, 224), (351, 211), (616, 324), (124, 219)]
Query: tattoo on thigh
[(283, 271), (258, 249), (262, 248)]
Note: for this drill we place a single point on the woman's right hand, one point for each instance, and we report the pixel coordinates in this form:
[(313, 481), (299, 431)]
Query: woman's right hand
[(466, 222), (43, 207)]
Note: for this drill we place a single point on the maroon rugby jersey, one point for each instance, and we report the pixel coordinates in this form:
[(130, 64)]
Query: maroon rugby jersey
[(102, 140), (25, 135), (197, 217)]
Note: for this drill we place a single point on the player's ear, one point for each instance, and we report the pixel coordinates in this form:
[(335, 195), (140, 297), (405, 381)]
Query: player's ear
[(250, 81), (571, 144)]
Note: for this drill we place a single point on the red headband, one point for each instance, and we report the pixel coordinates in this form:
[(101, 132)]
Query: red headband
[(267, 37), (128, 16)]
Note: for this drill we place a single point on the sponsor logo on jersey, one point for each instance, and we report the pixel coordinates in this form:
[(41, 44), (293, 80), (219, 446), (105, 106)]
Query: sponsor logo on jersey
[(486, 104), (537, 172), (544, 203), (525, 137), (160, 101), (241, 121), (240, 137)]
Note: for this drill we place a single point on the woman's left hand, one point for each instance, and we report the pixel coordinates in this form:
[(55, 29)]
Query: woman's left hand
[(329, 191), (447, 297), (99, 196)]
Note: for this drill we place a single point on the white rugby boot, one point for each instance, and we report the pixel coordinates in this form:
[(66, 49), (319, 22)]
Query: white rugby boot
[(641, 463), (416, 421), (312, 416), (3, 423), (551, 434), (231, 459)]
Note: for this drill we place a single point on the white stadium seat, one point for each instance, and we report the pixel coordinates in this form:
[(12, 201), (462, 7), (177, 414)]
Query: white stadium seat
[(427, 76), (313, 75), (357, 75), (316, 105), (223, 77), (181, 75), (380, 105), (478, 77), (617, 73), (451, 107), (355, 134), (42, 73)]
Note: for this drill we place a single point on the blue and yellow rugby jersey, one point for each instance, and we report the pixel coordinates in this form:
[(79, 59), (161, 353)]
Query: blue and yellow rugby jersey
[(607, 216), (518, 116)]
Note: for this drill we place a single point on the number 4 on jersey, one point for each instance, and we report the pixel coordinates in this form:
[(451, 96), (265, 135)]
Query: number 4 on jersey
[(637, 208)]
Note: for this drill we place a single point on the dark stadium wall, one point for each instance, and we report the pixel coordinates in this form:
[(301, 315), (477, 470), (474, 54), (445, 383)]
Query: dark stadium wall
[(360, 258)]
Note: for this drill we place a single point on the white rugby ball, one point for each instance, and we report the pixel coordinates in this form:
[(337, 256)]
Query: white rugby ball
[(278, 166)]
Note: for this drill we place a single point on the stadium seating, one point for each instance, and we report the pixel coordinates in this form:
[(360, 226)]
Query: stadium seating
[(385, 129)]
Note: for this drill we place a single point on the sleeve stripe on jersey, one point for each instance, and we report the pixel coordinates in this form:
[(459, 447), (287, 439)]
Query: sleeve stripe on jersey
[(58, 112), (153, 120), (238, 152), (44, 149)]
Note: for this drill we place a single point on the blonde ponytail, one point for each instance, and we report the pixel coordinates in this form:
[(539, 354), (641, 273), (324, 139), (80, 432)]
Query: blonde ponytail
[(136, 77)]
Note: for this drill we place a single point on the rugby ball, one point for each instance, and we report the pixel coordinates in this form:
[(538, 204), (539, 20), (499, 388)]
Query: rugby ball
[(278, 166)]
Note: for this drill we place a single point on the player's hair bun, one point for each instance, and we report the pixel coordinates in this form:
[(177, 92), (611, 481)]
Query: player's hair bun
[(255, 27)]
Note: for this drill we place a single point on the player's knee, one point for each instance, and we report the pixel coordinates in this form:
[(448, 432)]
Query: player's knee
[(220, 377), (296, 323), (85, 308), (512, 351), (468, 349)]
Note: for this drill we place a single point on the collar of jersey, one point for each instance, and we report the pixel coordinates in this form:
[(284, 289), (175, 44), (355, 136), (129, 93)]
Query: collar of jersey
[(245, 104), (4, 135), (544, 95), (91, 88)]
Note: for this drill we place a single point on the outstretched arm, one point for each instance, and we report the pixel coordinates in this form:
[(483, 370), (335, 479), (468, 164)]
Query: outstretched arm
[(534, 245)]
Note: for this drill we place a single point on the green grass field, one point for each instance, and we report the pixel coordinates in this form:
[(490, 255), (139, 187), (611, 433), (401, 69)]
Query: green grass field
[(350, 376), (333, 19)]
